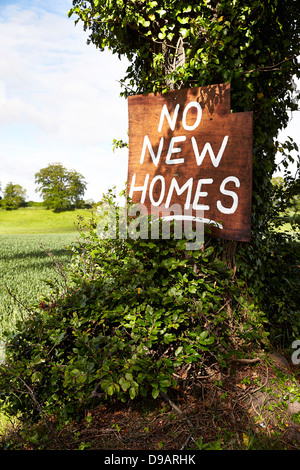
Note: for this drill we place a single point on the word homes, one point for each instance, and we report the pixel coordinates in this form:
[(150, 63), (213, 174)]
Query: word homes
[(189, 152)]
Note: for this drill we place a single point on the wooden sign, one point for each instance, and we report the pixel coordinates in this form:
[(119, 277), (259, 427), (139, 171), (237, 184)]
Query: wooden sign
[(187, 150)]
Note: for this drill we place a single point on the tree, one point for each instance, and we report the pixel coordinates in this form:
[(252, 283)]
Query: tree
[(254, 45), (13, 197), (60, 188), (287, 202), (174, 44)]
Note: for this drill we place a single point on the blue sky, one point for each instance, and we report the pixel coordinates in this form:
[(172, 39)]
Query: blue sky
[(59, 99)]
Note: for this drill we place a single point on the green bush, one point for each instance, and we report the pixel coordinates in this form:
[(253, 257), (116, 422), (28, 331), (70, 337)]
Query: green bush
[(272, 272), (34, 204), (134, 314)]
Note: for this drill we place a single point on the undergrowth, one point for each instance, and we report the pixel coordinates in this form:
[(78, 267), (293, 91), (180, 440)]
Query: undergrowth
[(130, 316)]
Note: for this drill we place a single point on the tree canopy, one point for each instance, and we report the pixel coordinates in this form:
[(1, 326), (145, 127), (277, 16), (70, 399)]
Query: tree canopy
[(171, 44), (189, 39), (60, 188), (14, 196)]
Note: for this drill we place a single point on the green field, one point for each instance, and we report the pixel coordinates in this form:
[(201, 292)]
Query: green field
[(24, 263), (24, 266), (34, 220)]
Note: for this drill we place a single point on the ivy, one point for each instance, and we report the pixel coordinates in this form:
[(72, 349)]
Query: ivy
[(134, 315), (254, 45)]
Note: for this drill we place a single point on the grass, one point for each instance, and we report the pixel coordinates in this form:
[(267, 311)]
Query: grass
[(24, 266), (36, 220)]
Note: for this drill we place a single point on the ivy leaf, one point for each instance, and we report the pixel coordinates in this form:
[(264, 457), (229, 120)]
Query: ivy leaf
[(178, 350), (132, 393), (183, 20), (129, 376), (124, 384), (161, 13), (143, 22), (185, 32), (36, 376)]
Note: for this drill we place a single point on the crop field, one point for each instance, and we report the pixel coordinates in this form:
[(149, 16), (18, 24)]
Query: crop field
[(24, 267)]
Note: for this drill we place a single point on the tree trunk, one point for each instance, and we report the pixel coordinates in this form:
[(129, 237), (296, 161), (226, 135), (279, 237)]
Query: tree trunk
[(228, 254), (175, 57)]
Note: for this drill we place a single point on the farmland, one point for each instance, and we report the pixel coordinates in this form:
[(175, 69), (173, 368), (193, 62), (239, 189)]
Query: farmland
[(24, 266), (26, 237)]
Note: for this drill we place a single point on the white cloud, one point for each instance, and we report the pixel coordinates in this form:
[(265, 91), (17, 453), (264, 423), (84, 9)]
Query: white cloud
[(59, 99)]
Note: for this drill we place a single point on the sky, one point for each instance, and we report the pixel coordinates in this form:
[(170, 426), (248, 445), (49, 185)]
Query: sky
[(60, 100)]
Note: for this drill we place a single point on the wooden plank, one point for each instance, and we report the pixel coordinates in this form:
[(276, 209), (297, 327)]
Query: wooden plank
[(189, 139)]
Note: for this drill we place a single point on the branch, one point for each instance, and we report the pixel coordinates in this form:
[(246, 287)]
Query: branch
[(269, 68), (244, 361), (178, 410), (45, 419), (59, 267)]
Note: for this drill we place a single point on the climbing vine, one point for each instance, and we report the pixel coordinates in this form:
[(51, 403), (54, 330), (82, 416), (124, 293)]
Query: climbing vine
[(174, 44), (254, 45)]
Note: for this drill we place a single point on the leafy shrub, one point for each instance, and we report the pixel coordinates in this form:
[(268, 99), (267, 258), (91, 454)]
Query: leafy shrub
[(134, 314), (271, 270)]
